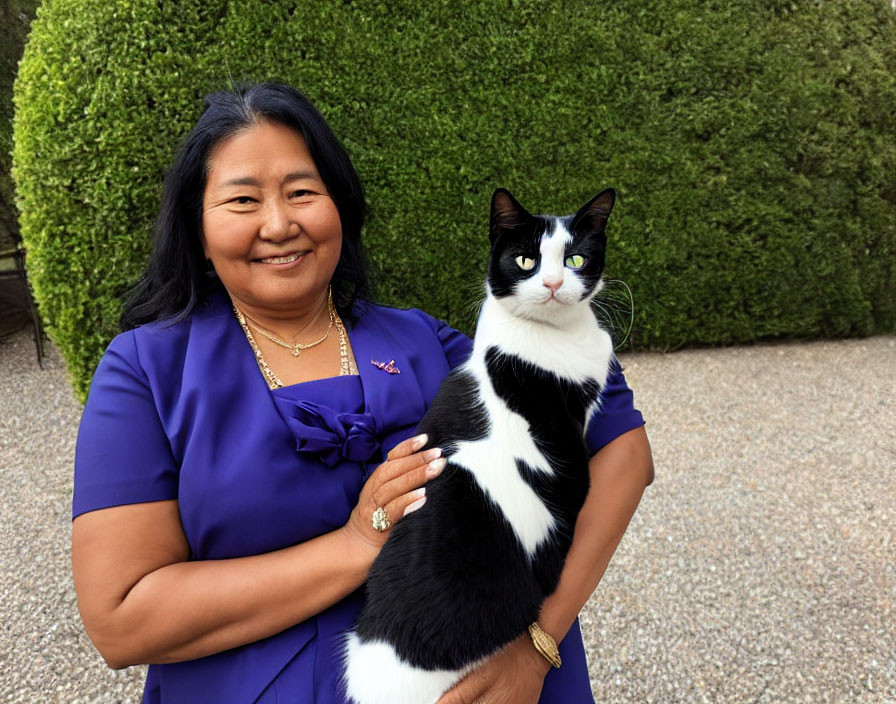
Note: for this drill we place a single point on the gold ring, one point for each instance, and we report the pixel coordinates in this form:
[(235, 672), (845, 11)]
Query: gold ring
[(380, 520)]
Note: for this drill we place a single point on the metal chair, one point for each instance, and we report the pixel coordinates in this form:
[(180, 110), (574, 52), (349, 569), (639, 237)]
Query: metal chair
[(18, 272)]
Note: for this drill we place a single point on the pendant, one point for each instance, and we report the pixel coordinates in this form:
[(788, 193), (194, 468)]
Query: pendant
[(296, 352)]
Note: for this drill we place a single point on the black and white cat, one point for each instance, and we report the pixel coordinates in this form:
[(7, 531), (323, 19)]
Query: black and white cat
[(467, 573)]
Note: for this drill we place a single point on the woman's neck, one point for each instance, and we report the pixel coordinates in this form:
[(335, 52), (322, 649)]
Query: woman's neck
[(289, 324)]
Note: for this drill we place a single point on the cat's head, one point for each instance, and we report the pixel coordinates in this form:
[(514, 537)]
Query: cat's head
[(542, 266)]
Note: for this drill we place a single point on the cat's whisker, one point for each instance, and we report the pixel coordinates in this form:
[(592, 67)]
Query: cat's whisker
[(616, 310)]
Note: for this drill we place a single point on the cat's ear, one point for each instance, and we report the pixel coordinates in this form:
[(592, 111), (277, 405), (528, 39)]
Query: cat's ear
[(593, 215), (507, 213)]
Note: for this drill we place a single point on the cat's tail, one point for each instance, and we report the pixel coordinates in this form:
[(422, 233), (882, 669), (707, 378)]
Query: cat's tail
[(374, 674)]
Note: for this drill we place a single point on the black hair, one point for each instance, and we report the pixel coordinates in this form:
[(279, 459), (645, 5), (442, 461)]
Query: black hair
[(177, 278)]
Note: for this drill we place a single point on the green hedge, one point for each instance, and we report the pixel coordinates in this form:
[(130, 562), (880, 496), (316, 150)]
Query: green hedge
[(752, 145), (15, 15)]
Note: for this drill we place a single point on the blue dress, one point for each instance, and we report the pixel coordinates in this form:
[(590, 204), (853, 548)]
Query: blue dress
[(182, 412)]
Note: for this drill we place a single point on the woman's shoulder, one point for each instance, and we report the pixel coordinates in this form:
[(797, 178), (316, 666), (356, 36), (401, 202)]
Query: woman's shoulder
[(418, 328), (407, 316), (168, 338)]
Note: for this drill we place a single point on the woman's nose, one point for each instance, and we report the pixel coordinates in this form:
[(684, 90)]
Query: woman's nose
[(278, 223)]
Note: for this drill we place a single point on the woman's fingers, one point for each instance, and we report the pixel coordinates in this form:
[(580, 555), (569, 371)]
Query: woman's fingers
[(397, 485), (405, 504), (408, 474), (408, 447), (392, 469), (406, 493), (399, 482), (467, 691)]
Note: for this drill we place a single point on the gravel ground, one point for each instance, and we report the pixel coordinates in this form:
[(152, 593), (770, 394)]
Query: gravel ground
[(760, 567)]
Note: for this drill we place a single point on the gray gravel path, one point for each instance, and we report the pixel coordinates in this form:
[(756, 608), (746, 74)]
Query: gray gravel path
[(760, 567)]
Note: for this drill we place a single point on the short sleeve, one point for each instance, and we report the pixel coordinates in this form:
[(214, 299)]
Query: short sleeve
[(122, 455), (456, 345), (617, 413)]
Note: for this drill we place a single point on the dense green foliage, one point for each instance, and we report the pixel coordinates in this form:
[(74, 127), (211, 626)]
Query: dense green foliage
[(752, 145), (15, 16)]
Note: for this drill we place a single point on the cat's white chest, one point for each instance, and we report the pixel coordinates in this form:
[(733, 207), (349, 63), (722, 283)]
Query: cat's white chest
[(577, 350)]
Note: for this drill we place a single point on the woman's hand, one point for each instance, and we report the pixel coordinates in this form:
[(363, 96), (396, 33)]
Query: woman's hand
[(513, 676), (396, 486)]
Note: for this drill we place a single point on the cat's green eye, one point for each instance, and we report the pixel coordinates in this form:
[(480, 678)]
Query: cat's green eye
[(525, 263), (576, 261)]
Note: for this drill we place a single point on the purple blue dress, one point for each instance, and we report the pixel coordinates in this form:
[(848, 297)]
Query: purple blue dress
[(182, 412)]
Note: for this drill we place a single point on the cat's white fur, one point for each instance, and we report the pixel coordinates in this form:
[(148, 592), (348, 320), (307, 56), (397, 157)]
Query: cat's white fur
[(376, 675), (557, 332)]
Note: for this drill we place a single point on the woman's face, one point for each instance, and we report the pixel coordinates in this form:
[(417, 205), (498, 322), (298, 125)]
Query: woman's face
[(269, 225)]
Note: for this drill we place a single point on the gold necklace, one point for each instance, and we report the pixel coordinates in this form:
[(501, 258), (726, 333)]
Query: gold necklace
[(346, 364), (297, 347)]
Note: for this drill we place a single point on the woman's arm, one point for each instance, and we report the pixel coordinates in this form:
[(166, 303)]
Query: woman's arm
[(143, 601), (620, 471), (619, 474)]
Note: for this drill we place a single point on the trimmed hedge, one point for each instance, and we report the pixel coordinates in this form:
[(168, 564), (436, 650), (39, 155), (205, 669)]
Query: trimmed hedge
[(15, 15), (752, 146)]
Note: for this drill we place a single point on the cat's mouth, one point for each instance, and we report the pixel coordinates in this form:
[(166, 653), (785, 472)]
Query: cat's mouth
[(555, 297)]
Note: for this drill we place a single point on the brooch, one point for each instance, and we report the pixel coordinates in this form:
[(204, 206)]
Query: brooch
[(388, 367)]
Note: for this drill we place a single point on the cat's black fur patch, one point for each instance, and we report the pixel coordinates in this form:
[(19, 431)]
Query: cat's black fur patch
[(414, 602)]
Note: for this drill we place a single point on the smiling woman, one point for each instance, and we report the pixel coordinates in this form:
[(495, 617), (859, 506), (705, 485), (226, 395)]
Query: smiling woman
[(236, 471), (177, 280), (269, 225), (273, 235)]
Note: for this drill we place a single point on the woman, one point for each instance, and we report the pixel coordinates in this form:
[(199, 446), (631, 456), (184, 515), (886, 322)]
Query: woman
[(231, 454)]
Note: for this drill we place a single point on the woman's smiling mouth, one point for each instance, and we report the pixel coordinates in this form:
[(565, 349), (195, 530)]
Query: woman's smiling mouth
[(283, 259)]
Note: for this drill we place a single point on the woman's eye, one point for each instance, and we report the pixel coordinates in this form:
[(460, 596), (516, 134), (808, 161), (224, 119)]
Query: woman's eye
[(300, 193), (576, 261), (525, 263), (243, 200)]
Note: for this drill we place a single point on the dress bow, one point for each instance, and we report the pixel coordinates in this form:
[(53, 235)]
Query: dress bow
[(334, 436)]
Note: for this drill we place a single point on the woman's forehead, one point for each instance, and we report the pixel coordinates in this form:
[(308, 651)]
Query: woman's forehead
[(261, 152)]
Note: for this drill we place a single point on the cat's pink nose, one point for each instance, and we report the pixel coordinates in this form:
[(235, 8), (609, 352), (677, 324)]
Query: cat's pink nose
[(552, 283)]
